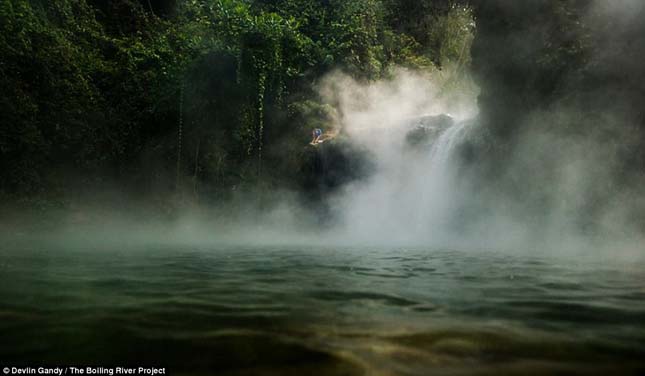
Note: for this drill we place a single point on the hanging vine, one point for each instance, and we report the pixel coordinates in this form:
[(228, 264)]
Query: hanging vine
[(260, 120), (180, 129), (260, 42)]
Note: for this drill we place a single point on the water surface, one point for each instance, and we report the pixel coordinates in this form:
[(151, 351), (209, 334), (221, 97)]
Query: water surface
[(319, 311)]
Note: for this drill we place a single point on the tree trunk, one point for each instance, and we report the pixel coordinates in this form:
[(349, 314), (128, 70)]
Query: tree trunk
[(151, 10)]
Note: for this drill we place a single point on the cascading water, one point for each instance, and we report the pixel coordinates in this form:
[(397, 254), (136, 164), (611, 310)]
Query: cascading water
[(439, 189), (444, 147), (413, 195)]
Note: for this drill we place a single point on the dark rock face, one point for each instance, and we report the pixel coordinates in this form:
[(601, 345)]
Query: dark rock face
[(337, 162), (331, 165)]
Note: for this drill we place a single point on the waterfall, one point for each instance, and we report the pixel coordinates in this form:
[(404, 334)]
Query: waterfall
[(436, 187), (444, 147), (414, 194)]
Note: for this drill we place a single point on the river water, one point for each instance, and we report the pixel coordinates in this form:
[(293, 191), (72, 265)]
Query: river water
[(320, 311)]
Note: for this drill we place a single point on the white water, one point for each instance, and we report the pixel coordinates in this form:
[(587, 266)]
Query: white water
[(443, 149), (414, 194)]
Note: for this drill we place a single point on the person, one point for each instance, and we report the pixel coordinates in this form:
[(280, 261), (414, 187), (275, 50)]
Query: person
[(317, 134)]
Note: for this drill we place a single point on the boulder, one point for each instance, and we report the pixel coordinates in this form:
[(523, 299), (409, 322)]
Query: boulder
[(425, 129)]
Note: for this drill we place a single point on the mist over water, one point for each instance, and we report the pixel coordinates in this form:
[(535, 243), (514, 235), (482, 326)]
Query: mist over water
[(551, 189), (421, 192), (563, 196)]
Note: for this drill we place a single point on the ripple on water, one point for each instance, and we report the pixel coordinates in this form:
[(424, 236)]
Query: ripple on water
[(228, 352), (494, 352), (577, 312), (241, 312), (349, 296)]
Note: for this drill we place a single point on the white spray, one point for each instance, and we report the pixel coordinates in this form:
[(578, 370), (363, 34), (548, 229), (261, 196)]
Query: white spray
[(413, 195)]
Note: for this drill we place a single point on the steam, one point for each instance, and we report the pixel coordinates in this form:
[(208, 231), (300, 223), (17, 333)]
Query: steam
[(564, 197), (386, 104), (554, 191), (423, 195), (410, 197)]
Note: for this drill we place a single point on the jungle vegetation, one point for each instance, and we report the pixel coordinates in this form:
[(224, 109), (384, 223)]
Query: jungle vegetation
[(197, 96), (201, 98)]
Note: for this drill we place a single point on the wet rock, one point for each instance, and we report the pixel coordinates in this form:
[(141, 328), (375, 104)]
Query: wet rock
[(331, 165), (426, 129)]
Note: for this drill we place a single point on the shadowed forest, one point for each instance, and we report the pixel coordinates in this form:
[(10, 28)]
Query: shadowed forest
[(192, 97)]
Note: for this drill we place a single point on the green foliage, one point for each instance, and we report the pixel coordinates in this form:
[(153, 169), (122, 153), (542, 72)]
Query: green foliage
[(93, 87)]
